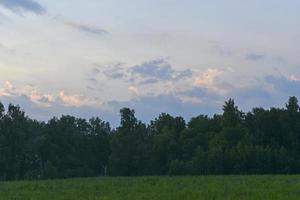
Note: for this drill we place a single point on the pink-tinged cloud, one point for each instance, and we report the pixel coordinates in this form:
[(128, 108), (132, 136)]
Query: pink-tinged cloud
[(76, 100), (210, 79), (45, 100)]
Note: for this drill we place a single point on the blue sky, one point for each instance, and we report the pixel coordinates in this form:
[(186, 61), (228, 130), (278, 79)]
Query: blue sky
[(89, 58)]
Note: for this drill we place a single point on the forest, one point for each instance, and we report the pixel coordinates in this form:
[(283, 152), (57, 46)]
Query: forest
[(261, 141)]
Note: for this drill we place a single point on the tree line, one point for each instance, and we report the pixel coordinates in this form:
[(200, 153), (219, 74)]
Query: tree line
[(262, 141)]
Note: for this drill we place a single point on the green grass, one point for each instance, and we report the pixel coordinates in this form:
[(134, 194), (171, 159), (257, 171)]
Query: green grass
[(152, 188)]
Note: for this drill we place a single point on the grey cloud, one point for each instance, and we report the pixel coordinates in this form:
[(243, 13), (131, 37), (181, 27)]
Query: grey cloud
[(199, 92), (18, 6), (159, 69), (252, 92), (284, 85), (251, 96), (116, 71), (255, 57), (91, 88), (262, 96), (94, 80), (150, 106), (95, 71), (220, 49), (44, 100), (279, 59), (87, 29), (116, 75), (256, 96), (147, 108), (147, 73), (149, 81), (184, 74)]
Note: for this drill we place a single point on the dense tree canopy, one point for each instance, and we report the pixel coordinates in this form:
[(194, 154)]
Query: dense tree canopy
[(262, 141)]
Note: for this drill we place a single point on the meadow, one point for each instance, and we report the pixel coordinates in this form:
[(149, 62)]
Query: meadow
[(156, 188)]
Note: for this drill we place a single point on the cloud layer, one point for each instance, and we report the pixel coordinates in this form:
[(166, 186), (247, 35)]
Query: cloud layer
[(86, 28), (97, 57), (19, 6), (149, 72)]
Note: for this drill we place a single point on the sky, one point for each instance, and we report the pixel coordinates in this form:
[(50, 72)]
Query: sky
[(91, 58)]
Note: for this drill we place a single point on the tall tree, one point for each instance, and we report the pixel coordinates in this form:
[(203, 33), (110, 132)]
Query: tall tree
[(128, 146), (231, 114)]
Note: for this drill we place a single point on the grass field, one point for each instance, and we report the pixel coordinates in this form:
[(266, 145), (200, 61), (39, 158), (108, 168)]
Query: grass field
[(152, 188)]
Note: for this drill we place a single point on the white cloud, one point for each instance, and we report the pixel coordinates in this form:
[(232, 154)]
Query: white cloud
[(8, 89), (134, 90), (210, 79), (294, 78), (76, 100), (46, 100)]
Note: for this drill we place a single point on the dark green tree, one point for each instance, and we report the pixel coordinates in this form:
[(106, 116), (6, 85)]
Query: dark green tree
[(129, 146)]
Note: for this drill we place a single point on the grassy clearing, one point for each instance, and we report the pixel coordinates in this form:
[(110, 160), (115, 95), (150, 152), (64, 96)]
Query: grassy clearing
[(152, 188)]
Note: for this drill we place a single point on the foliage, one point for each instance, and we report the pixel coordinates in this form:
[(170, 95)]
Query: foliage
[(263, 141)]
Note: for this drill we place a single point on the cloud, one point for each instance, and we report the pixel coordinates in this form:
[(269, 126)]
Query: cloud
[(201, 94), (115, 71), (208, 78), (271, 91), (149, 81), (188, 102), (149, 72), (40, 99), (159, 69), (255, 57), (255, 96), (294, 78), (95, 71), (183, 74), (211, 80), (81, 27), (220, 49), (76, 100), (283, 85), (93, 80), (87, 28), (147, 107), (58, 109), (18, 6), (9, 90), (46, 100), (134, 90)]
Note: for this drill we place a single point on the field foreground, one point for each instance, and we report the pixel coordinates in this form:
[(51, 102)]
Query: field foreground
[(153, 188)]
